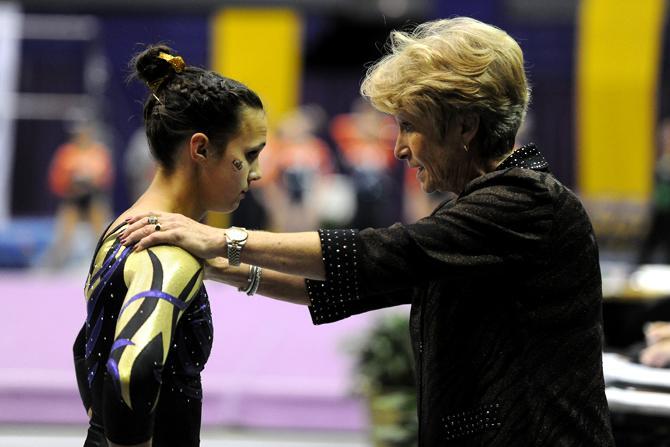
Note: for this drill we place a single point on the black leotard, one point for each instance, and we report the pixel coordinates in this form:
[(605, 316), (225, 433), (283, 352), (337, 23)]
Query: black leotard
[(147, 336)]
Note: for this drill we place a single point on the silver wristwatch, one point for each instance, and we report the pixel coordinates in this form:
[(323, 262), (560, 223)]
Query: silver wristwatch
[(236, 237)]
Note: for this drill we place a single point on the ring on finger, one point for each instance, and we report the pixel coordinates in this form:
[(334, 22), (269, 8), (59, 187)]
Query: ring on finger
[(152, 220), (158, 227)]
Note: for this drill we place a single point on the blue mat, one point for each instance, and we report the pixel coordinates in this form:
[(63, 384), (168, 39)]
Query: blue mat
[(24, 241)]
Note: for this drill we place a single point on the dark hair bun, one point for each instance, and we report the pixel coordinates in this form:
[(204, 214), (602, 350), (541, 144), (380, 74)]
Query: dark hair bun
[(187, 99), (149, 67)]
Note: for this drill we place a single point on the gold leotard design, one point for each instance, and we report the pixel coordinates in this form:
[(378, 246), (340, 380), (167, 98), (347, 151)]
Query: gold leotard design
[(148, 326)]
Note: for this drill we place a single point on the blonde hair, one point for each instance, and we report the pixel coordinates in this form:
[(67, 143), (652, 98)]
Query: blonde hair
[(456, 65)]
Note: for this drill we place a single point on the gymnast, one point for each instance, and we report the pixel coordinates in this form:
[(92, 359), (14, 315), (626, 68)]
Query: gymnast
[(148, 329)]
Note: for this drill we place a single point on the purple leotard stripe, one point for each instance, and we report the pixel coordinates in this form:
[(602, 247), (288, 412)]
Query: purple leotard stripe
[(120, 343), (96, 294), (107, 263), (181, 305), (113, 370)]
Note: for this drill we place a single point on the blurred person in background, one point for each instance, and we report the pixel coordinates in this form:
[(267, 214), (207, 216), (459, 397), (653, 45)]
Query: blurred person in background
[(140, 167), (148, 330), (504, 280), (80, 175), (364, 139), (657, 334), (296, 161), (658, 233), (657, 350)]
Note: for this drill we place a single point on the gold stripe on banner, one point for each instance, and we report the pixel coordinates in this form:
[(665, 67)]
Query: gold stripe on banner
[(617, 72), (261, 48)]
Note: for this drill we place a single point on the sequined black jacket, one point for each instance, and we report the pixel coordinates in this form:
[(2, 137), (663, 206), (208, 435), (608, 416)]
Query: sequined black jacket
[(506, 322)]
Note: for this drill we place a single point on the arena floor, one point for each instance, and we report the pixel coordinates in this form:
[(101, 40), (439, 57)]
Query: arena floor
[(55, 436)]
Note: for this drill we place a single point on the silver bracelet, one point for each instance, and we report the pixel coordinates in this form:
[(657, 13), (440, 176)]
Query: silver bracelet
[(250, 279), (253, 280), (253, 288)]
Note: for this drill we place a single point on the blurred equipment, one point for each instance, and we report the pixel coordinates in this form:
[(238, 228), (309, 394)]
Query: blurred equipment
[(658, 235), (632, 299), (639, 401), (638, 395), (10, 35), (61, 89)]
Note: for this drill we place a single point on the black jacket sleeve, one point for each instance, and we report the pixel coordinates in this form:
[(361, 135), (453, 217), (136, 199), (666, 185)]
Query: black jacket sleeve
[(505, 220)]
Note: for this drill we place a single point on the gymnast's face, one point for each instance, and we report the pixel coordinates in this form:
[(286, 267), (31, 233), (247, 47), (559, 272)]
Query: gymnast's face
[(226, 177)]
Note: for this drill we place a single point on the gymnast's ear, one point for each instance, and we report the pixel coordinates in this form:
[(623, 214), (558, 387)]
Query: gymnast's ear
[(198, 146)]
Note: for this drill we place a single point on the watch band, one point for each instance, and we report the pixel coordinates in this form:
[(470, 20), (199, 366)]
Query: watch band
[(234, 252), (235, 246)]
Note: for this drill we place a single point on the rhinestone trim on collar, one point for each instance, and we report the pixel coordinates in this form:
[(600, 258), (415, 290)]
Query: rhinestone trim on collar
[(527, 156)]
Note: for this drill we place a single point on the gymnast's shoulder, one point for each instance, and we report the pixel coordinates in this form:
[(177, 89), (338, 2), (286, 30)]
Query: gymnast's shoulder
[(168, 260)]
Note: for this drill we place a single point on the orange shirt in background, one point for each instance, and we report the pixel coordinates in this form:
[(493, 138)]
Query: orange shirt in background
[(365, 142), (76, 171)]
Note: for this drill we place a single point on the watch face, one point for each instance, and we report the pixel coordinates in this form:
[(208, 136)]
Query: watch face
[(236, 234)]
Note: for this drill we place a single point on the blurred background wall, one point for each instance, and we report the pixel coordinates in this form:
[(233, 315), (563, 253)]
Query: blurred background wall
[(82, 58), (595, 71)]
